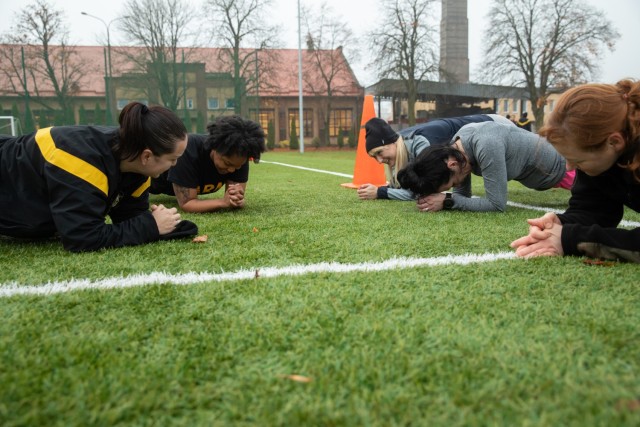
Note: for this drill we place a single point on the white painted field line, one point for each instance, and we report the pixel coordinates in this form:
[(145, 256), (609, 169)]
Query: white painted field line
[(344, 175), (14, 289), (623, 223)]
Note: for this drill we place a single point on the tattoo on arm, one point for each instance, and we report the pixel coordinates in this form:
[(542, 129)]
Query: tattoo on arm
[(183, 194)]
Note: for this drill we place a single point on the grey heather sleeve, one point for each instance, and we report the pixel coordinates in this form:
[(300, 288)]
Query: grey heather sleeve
[(493, 166), (400, 194)]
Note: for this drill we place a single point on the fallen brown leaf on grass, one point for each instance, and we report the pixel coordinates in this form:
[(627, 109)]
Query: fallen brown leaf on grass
[(200, 239), (599, 262), (297, 378), (629, 405), (255, 230)]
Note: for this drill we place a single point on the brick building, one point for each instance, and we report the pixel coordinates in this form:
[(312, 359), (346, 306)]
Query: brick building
[(205, 89)]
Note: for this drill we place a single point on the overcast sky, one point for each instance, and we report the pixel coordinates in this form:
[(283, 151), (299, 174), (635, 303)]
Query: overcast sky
[(623, 62)]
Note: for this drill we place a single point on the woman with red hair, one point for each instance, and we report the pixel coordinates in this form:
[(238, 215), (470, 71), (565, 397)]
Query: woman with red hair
[(596, 128)]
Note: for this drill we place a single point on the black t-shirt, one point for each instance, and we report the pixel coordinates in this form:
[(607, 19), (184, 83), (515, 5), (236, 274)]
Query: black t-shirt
[(195, 169)]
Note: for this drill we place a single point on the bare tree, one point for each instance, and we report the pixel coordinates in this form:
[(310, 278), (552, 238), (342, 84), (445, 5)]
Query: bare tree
[(162, 28), (324, 72), (51, 64), (405, 47), (239, 29), (545, 44)]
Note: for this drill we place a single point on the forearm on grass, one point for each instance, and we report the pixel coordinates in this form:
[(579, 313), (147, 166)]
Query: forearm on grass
[(189, 202)]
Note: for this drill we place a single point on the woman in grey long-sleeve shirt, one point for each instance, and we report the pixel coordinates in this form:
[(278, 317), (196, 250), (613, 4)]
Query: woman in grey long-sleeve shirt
[(394, 150), (496, 152)]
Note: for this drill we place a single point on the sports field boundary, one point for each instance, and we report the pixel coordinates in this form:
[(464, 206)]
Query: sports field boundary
[(160, 278)]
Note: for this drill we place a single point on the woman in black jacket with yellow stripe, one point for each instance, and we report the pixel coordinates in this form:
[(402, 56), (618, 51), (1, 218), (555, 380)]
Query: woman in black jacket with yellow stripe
[(65, 180)]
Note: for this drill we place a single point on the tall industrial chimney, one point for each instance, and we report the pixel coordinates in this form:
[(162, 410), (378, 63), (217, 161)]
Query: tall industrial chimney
[(454, 42)]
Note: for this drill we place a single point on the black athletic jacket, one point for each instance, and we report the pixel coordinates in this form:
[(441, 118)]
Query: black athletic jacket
[(440, 131), (595, 209), (66, 180)]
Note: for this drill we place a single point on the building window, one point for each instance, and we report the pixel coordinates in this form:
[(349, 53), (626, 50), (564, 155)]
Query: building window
[(340, 121), (308, 122), (122, 103), (190, 103), (230, 104), (505, 106), (212, 104), (263, 118)]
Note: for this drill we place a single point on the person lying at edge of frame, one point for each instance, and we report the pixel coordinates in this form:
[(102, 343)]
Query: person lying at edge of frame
[(211, 161), (496, 152), (597, 128), (64, 180), (394, 150)]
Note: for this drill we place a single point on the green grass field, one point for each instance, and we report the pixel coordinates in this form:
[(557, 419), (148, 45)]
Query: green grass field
[(511, 342)]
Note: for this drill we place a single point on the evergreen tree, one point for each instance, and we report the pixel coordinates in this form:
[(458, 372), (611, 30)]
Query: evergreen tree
[(15, 112), (59, 118), (69, 116), (271, 135), (352, 138), (200, 123), (294, 144), (99, 116), (341, 137), (43, 120), (82, 116), (29, 125), (187, 120)]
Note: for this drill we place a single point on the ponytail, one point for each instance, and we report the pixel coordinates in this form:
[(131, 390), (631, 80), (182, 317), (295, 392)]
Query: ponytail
[(155, 128), (630, 91), (588, 114)]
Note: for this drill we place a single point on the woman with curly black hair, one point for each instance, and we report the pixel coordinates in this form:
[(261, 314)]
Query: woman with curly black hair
[(213, 161)]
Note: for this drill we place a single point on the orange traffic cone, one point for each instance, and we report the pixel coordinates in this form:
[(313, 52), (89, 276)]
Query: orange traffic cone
[(367, 170)]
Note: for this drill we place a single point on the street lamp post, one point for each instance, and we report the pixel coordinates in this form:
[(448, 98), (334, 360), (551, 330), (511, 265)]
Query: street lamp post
[(300, 100), (107, 63)]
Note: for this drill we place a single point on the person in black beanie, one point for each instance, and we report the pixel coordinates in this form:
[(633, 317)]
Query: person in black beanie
[(395, 150), (378, 133)]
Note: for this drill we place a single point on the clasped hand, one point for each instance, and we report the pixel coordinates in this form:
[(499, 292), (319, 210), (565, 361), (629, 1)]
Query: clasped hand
[(234, 195), (368, 192), (166, 218), (430, 203), (544, 238)]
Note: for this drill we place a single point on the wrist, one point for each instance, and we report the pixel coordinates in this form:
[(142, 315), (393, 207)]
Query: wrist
[(381, 193), (447, 203)]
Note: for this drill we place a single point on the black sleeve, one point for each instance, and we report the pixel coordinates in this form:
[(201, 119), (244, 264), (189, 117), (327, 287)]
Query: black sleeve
[(598, 242), (382, 192), (79, 210), (589, 224), (133, 201), (594, 201)]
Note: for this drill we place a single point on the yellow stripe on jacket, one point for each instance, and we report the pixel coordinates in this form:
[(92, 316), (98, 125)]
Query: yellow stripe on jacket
[(70, 163), (141, 189)]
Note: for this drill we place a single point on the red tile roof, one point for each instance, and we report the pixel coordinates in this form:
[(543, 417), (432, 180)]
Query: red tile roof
[(282, 82)]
